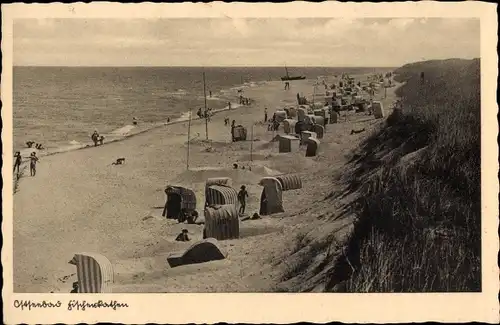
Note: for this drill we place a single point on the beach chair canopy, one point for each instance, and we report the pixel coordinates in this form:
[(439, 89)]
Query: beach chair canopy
[(289, 125), (94, 271), (319, 112), (301, 113), (271, 200), (188, 197), (220, 195), (280, 116), (222, 222), (240, 133), (299, 127), (312, 147), (319, 130), (290, 182), (310, 119)]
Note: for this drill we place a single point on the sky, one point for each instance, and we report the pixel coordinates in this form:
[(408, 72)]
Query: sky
[(242, 42)]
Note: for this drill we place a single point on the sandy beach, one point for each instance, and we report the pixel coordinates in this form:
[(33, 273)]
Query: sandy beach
[(80, 202)]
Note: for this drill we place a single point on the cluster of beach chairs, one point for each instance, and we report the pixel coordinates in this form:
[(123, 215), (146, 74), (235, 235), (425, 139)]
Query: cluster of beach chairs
[(303, 125)]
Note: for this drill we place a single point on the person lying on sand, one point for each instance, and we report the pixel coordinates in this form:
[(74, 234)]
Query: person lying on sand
[(119, 161), (357, 131), (183, 236)]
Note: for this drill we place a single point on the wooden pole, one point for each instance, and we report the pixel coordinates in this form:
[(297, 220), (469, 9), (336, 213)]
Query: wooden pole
[(189, 140), (314, 95), (251, 144), (206, 113)]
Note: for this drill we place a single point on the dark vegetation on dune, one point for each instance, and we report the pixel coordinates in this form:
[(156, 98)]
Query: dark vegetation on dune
[(414, 188), (419, 226)]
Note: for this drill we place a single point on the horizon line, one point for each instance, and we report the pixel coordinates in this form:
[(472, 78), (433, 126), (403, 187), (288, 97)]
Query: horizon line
[(195, 66)]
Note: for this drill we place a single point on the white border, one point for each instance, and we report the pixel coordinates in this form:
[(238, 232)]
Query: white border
[(275, 308)]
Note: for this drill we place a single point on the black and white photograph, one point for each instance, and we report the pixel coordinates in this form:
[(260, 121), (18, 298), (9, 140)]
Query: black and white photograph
[(228, 154)]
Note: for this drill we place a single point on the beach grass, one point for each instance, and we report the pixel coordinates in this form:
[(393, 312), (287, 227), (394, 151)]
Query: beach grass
[(419, 227), (17, 178)]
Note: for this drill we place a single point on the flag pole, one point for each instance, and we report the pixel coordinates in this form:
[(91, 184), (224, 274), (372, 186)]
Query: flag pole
[(189, 140), (251, 144), (206, 113)]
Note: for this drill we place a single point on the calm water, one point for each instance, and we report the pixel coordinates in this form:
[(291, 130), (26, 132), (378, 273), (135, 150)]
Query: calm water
[(58, 106)]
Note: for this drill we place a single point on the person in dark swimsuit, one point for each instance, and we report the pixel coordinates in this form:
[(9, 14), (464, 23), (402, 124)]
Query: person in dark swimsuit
[(17, 162), (33, 160), (242, 196)]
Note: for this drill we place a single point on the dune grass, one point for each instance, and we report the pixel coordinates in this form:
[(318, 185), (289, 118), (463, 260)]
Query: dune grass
[(17, 178), (419, 179)]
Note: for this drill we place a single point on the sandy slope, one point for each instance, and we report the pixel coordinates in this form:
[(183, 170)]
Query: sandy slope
[(80, 202)]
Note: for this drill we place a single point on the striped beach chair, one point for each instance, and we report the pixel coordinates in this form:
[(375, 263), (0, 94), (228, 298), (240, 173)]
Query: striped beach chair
[(220, 195), (271, 199), (187, 200), (95, 272), (289, 182)]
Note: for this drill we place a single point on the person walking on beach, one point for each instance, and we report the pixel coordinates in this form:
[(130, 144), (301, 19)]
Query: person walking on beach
[(265, 114), (17, 162), (242, 196), (33, 160)]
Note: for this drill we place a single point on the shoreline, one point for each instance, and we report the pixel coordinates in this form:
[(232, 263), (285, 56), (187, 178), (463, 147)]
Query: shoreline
[(222, 95)]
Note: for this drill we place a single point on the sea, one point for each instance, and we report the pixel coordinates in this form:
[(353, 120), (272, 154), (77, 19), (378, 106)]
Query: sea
[(61, 107)]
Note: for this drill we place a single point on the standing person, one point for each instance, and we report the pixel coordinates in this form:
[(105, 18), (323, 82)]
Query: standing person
[(233, 124), (210, 93), (242, 196), (229, 105), (17, 162), (33, 160), (265, 114), (95, 137)]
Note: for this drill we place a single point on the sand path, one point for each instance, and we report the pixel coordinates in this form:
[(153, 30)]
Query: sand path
[(80, 202)]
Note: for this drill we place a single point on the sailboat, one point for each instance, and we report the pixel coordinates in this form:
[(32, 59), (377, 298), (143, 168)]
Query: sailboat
[(288, 77)]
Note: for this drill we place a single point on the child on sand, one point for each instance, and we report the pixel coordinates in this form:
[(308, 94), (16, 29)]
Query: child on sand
[(33, 160), (242, 196), (95, 138), (183, 236)]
